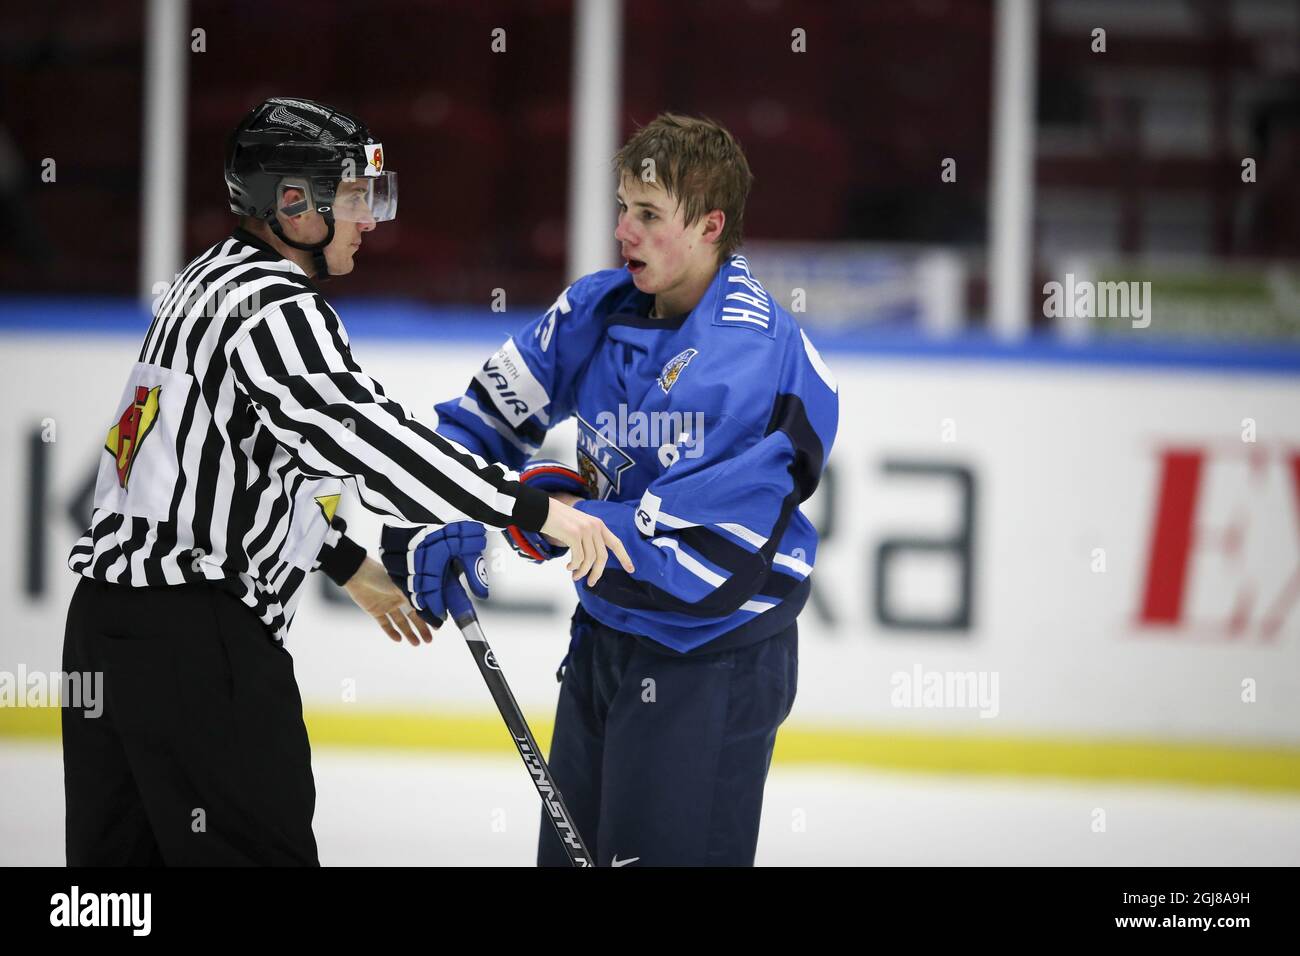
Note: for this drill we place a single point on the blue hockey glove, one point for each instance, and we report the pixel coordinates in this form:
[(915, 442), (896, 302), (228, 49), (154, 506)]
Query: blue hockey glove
[(419, 560)]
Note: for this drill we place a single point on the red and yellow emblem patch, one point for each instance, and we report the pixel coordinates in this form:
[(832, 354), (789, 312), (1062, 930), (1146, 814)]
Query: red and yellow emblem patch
[(136, 422)]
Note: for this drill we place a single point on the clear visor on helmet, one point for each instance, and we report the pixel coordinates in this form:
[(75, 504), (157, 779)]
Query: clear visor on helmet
[(367, 198)]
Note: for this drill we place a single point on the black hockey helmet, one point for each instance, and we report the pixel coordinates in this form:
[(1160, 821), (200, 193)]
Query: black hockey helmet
[(288, 142)]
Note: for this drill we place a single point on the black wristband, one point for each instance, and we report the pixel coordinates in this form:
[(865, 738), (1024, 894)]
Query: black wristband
[(532, 508), (341, 561)]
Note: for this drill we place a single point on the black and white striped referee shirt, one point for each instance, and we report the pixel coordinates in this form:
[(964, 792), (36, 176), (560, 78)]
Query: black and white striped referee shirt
[(242, 414)]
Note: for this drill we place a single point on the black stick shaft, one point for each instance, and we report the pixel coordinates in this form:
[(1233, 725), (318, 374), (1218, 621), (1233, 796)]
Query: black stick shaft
[(467, 620)]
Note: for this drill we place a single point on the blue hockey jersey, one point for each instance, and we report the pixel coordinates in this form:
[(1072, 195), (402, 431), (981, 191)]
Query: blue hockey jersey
[(699, 436)]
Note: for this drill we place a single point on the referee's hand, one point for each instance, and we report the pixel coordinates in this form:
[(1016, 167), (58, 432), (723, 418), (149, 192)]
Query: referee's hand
[(372, 590), (587, 538)]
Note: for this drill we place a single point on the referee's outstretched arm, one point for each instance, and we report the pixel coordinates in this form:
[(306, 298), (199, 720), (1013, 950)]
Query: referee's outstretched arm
[(337, 421)]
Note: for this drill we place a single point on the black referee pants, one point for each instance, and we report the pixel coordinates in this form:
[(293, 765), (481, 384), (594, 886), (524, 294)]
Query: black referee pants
[(200, 756)]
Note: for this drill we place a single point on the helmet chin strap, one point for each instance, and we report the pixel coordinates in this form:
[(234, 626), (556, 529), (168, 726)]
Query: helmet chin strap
[(317, 250)]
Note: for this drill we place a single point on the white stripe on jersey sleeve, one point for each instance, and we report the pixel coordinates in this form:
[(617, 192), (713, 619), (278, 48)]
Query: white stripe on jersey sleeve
[(689, 562)]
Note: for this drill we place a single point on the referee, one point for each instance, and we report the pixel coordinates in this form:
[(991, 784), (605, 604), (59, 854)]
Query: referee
[(216, 496)]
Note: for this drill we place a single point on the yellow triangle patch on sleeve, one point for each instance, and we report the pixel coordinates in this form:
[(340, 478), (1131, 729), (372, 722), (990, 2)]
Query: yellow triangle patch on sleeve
[(328, 505)]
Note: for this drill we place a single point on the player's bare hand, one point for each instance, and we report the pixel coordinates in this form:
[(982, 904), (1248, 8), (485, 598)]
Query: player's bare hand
[(588, 540), (372, 590)]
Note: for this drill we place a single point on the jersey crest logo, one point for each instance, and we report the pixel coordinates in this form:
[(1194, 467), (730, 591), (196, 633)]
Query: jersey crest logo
[(674, 368), (589, 476), (137, 421), (600, 462)]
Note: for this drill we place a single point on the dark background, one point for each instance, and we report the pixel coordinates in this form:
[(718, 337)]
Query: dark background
[(1138, 149)]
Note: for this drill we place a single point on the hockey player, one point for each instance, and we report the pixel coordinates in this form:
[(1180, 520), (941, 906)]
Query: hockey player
[(705, 417)]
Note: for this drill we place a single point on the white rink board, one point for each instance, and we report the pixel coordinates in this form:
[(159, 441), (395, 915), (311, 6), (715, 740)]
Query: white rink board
[(1065, 460)]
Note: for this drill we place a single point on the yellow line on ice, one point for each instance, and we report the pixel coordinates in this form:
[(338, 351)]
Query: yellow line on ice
[(1116, 760)]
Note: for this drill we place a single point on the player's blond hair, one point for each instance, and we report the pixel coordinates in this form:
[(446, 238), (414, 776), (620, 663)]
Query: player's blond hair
[(699, 164)]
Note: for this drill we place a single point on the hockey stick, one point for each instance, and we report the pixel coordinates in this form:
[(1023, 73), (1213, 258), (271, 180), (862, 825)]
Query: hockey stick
[(462, 612)]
